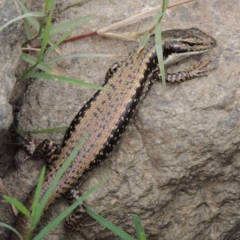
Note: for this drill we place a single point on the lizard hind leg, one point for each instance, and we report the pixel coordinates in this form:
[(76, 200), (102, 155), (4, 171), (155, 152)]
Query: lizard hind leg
[(112, 70), (74, 221), (47, 150)]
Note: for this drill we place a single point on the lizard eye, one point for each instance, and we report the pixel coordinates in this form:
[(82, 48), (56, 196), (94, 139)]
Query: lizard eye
[(212, 43), (191, 44)]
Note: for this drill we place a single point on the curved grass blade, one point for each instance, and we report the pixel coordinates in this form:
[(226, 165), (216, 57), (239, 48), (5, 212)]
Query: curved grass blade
[(11, 228), (55, 45), (20, 207), (32, 60), (34, 14), (32, 21), (63, 79), (143, 41), (46, 38), (116, 230), (139, 228), (37, 194)]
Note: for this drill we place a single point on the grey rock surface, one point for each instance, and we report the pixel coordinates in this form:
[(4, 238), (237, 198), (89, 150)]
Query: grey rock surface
[(178, 163), (10, 52)]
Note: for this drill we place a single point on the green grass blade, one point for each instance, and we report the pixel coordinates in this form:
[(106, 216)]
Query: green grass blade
[(116, 230), (34, 14), (32, 60), (37, 195), (158, 17), (45, 41), (54, 46), (143, 41), (65, 213), (56, 180), (71, 56), (46, 37), (49, 5), (20, 207), (63, 79), (11, 228), (139, 228), (32, 21), (27, 28), (164, 5), (113, 2), (70, 24), (50, 130), (158, 40)]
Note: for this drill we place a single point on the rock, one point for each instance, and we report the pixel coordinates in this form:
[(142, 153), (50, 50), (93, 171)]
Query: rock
[(178, 163), (10, 52)]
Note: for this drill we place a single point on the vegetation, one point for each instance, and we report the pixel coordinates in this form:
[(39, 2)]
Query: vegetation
[(38, 25)]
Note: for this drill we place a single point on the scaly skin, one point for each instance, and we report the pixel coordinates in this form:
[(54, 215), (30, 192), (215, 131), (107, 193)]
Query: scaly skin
[(105, 116)]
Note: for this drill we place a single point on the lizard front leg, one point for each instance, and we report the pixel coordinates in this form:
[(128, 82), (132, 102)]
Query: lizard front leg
[(197, 70), (112, 70), (47, 149)]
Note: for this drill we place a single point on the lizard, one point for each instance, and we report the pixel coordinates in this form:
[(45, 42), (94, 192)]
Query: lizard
[(105, 116)]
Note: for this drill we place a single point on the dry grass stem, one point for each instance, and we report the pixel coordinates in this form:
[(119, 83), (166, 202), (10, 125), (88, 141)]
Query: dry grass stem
[(133, 36)]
